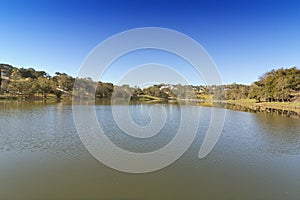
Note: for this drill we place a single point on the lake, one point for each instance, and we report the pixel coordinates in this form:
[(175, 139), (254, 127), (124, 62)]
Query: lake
[(42, 156)]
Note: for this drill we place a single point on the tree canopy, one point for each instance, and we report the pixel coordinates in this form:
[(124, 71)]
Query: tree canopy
[(274, 85)]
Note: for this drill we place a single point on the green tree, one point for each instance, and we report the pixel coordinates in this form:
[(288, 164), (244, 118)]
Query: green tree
[(277, 85), (45, 86), (25, 87), (104, 90)]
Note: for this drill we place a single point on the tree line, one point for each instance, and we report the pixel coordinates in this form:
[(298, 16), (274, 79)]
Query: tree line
[(31, 83), (281, 85), (275, 85)]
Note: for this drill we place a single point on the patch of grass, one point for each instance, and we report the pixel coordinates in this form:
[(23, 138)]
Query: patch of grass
[(292, 106)]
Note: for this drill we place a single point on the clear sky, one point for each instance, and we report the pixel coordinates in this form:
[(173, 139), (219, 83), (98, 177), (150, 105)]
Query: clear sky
[(244, 38)]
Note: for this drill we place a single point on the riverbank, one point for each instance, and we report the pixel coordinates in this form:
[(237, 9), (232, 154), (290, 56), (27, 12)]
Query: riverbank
[(251, 103), (31, 98), (242, 104)]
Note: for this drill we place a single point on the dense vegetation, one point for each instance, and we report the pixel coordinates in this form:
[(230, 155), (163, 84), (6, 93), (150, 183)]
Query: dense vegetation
[(31, 83), (275, 85)]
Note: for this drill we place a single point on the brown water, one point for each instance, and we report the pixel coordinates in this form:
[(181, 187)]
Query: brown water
[(42, 157)]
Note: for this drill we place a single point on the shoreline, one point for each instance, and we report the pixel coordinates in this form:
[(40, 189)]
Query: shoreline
[(252, 104), (246, 103)]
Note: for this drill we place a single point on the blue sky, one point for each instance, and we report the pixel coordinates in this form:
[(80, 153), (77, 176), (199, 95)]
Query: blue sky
[(244, 38)]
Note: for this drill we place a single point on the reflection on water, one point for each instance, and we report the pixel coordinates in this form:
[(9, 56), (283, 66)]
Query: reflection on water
[(37, 126), (42, 157), (281, 136)]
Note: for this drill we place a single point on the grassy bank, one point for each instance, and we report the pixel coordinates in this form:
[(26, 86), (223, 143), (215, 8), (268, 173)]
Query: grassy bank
[(6, 97), (36, 97), (291, 106)]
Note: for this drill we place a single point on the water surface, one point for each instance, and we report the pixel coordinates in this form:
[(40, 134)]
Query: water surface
[(42, 157)]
